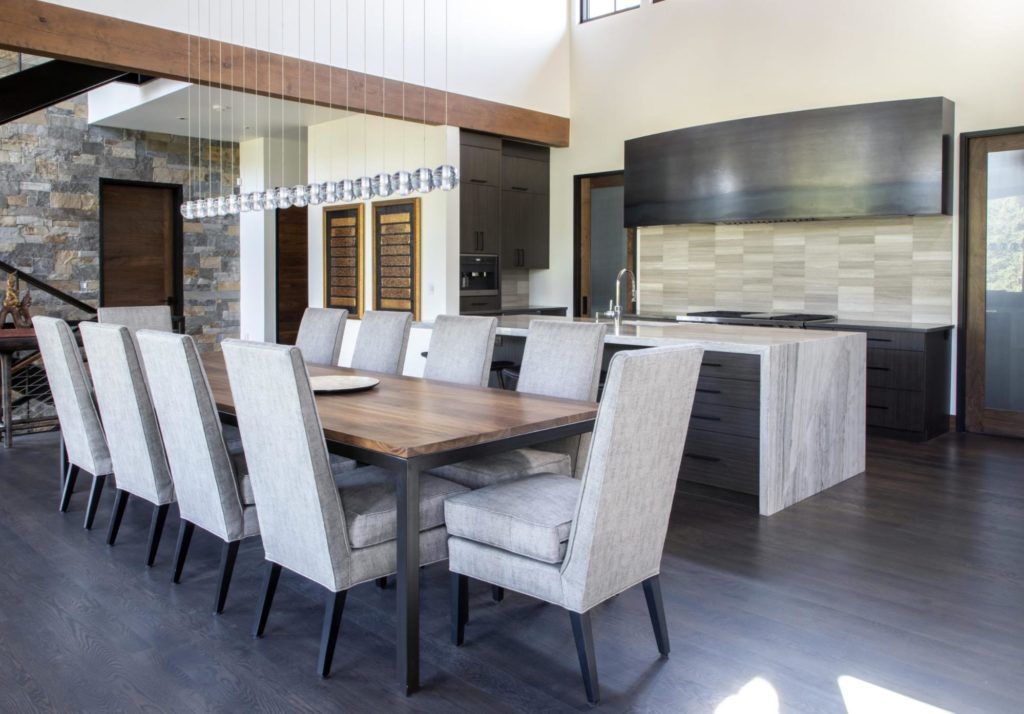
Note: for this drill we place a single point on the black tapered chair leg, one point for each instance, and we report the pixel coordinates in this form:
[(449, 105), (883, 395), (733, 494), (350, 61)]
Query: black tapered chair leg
[(64, 463), (382, 583), (584, 636), (120, 501), (156, 529), (69, 487), (497, 593), (185, 531), (460, 607), (333, 609), (94, 500), (656, 608), (266, 598), (227, 567)]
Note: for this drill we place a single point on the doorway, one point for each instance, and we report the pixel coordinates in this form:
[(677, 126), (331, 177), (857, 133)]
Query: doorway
[(603, 246), (140, 251), (990, 395), (292, 271)]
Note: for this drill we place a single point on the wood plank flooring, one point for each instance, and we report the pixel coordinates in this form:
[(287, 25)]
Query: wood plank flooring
[(910, 577)]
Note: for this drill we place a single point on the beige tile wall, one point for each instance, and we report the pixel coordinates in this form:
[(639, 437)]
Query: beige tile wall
[(515, 288), (897, 269)]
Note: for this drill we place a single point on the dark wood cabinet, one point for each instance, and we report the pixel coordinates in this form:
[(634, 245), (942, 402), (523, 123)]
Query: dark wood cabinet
[(504, 201), (479, 219), (524, 230)]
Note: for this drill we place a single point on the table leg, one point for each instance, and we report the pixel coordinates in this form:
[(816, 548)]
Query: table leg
[(5, 388), (408, 636)]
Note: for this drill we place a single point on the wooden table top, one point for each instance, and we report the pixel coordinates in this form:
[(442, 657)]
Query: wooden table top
[(15, 339), (408, 416)]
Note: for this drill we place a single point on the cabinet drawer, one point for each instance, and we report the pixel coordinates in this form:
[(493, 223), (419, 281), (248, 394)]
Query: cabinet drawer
[(484, 303), (525, 175), (721, 460), (725, 419), (480, 166), (895, 409), (727, 392), (896, 369), (484, 141), (894, 340), (730, 365)]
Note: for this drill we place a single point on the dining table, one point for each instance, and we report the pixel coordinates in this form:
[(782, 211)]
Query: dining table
[(410, 425)]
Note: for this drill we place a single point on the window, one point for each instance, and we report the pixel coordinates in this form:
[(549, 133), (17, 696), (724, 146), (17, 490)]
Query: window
[(593, 9)]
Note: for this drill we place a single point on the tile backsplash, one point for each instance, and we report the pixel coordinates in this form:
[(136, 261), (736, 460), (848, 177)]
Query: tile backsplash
[(897, 269), (515, 288)]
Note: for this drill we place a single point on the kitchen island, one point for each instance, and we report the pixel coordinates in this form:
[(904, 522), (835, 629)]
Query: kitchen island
[(779, 413)]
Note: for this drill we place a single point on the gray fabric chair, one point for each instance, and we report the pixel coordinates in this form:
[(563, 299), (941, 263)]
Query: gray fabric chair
[(141, 317), (79, 422), (320, 333), (382, 340), (576, 543), (335, 535), (561, 359), (460, 349), (133, 436), (211, 484)]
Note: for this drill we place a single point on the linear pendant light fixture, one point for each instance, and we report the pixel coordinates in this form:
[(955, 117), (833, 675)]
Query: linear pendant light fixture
[(402, 182)]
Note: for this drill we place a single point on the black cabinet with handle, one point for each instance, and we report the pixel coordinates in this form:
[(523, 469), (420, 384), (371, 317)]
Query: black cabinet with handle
[(524, 230), (479, 222)]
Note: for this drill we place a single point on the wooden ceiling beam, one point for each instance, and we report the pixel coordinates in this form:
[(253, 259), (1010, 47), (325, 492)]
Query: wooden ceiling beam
[(43, 28)]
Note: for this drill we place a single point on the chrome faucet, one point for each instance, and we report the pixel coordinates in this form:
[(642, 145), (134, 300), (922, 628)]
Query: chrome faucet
[(615, 310)]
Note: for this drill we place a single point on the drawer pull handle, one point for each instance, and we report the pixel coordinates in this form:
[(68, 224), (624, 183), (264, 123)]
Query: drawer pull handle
[(879, 339), (701, 457), (710, 364), (706, 418), (709, 391), (876, 406), (519, 188), (880, 369), (477, 180)]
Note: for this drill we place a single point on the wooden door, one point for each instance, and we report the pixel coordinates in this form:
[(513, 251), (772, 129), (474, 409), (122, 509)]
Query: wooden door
[(603, 246), (292, 271), (993, 315), (140, 245)]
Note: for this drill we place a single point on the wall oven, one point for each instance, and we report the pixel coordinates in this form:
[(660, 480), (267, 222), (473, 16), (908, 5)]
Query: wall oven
[(479, 284)]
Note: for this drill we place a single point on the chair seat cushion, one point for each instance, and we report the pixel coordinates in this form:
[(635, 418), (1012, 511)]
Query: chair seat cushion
[(368, 498), (504, 467), (531, 517)]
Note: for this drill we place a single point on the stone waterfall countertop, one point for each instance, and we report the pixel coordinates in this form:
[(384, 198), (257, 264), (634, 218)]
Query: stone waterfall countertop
[(721, 338)]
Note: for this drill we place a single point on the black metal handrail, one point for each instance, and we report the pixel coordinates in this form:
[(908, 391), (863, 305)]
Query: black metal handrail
[(47, 288)]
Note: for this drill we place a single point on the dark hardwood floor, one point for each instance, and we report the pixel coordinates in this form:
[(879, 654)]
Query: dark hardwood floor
[(909, 578)]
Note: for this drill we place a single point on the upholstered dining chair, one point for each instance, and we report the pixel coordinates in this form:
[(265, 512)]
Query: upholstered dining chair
[(320, 333), (382, 340), (79, 422), (140, 317), (133, 436), (577, 542), (338, 536), (211, 484), (460, 349)]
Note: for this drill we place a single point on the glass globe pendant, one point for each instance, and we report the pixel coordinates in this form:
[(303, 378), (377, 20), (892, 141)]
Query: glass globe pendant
[(401, 183), (284, 197), (315, 194), (423, 180), (211, 207), (382, 184), (232, 205), (330, 191), (269, 200), (446, 177), (188, 210), (244, 202), (199, 209), (300, 196), (363, 188), (222, 206), (347, 190)]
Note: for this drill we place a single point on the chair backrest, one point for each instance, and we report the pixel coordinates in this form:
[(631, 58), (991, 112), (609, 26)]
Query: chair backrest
[(562, 359), (460, 349), (320, 334), (72, 395), (618, 533), (382, 340), (140, 317), (204, 480), (301, 517), (133, 436)]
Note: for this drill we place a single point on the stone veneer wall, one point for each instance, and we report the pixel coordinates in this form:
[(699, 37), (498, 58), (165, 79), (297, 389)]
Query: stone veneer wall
[(898, 269), (50, 166)]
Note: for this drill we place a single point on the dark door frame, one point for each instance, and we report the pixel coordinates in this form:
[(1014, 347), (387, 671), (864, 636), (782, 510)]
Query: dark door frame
[(577, 235), (177, 309), (962, 268)]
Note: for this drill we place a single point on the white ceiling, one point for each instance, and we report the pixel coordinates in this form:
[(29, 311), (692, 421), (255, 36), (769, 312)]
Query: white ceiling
[(170, 107)]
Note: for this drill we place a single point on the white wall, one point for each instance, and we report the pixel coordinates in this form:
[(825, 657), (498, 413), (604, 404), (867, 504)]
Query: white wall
[(689, 62), (511, 52), (360, 145)]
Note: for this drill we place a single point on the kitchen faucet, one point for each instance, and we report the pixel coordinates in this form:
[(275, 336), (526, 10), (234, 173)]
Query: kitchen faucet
[(616, 310)]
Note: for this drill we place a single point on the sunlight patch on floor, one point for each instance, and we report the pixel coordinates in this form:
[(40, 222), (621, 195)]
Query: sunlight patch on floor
[(757, 696), (863, 697)]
